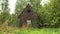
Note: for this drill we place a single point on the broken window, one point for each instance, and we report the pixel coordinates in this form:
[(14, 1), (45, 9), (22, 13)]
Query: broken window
[(28, 11)]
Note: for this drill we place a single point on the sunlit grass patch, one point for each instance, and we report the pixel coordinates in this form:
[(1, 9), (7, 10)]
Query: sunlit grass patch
[(32, 31)]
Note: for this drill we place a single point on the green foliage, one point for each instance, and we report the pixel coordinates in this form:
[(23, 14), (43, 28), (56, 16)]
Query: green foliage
[(5, 12), (20, 4), (3, 17), (33, 31), (48, 15), (13, 20), (4, 5)]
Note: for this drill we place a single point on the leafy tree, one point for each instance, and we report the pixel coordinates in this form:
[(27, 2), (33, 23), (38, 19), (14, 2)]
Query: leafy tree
[(5, 11), (20, 4), (50, 13)]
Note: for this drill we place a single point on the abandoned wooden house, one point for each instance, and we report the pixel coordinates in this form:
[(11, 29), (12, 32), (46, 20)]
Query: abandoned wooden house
[(28, 17)]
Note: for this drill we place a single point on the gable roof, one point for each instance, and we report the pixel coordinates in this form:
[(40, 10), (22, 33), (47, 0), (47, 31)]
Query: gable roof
[(28, 6)]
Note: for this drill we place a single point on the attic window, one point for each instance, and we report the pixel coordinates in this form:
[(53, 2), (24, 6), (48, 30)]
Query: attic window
[(28, 11)]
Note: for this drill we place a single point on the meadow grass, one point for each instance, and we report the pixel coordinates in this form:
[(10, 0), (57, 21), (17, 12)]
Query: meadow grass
[(31, 31)]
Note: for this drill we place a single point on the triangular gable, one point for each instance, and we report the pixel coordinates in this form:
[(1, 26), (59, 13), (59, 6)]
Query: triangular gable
[(27, 7)]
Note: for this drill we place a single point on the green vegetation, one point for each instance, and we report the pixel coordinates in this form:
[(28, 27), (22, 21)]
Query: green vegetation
[(48, 15), (33, 31)]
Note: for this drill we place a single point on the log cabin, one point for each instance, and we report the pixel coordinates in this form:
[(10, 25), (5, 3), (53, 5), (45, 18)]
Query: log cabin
[(28, 18)]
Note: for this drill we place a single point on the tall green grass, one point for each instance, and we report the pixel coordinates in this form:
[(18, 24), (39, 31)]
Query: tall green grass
[(32, 31)]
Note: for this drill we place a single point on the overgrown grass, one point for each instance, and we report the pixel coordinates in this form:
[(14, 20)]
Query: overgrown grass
[(31, 31)]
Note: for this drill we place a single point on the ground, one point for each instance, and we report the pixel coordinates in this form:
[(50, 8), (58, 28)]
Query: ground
[(31, 31)]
